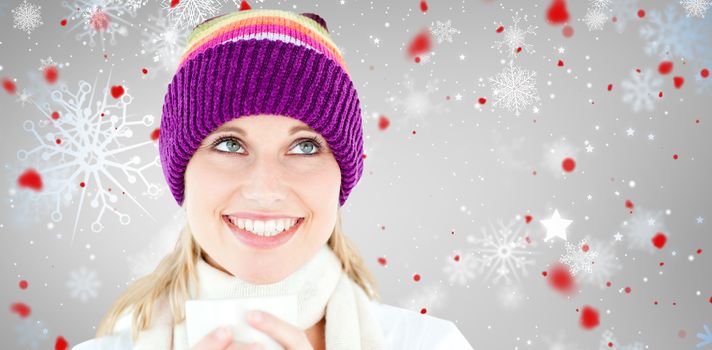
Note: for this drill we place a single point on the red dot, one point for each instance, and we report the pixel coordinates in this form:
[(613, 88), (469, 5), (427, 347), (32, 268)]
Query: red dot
[(665, 67), (674, 156), (610, 87), (585, 248), (659, 240), (629, 204), (699, 251), (544, 273), (561, 279), (423, 6), (500, 29), (423, 311), (662, 263), (416, 277), (710, 300), (641, 13), (21, 309), (589, 318), (58, 141), (678, 81), (382, 261), (155, 134), (610, 344), (608, 284), (560, 63), (417, 59), (23, 284), (457, 258), (568, 164), (705, 72), (568, 31), (81, 184), (60, 343), (63, 22), (55, 115), (627, 290), (144, 71), (482, 100)]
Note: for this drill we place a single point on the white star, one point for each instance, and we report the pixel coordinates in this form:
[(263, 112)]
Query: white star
[(589, 148), (651, 137), (561, 49), (462, 57), (458, 97), (630, 132), (618, 236), (556, 226), (700, 219)]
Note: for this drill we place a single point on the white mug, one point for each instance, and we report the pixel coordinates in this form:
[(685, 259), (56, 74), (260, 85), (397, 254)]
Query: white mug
[(204, 315)]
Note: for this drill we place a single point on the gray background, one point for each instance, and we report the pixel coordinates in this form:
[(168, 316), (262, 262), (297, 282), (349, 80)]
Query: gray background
[(445, 174)]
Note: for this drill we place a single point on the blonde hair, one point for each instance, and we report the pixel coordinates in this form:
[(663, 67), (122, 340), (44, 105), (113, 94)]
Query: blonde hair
[(176, 272)]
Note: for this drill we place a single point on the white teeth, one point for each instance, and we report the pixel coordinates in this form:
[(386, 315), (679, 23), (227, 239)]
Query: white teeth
[(263, 228)]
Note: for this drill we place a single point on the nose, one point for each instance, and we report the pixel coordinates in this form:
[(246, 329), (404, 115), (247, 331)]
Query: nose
[(265, 182)]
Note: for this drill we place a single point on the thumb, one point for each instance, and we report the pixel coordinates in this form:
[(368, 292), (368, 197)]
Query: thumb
[(218, 339)]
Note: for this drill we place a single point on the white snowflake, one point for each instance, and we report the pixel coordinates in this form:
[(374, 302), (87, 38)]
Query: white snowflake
[(607, 337), (27, 17), (604, 266), (595, 18), (669, 34), (696, 8), (134, 5), (622, 12), (642, 90), (461, 271), (189, 13), (579, 257), (443, 31), (429, 298), (514, 88), (87, 138), (46, 63), (642, 227), (515, 37), (31, 333), (164, 41), (104, 18), (503, 251), (417, 103), (83, 284), (600, 4)]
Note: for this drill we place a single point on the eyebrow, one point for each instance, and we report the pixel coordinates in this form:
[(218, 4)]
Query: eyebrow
[(239, 130)]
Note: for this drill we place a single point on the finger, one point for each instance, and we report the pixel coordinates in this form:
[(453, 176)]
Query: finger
[(218, 339), (283, 332)]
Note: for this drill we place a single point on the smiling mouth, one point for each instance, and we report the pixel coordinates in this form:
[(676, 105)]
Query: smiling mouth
[(257, 241)]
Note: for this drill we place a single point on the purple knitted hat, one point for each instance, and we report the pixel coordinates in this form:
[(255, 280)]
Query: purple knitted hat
[(261, 62)]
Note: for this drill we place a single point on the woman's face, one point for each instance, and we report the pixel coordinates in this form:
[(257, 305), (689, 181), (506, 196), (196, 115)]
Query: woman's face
[(271, 167)]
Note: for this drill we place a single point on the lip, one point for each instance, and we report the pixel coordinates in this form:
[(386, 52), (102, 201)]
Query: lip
[(261, 217), (261, 242)]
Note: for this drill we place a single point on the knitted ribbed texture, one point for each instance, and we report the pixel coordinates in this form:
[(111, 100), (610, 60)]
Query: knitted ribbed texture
[(255, 62)]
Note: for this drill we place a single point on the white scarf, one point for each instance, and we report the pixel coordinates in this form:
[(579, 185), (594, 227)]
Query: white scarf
[(322, 289)]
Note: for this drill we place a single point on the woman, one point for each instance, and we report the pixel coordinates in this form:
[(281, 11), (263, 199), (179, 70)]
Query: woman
[(261, 144)]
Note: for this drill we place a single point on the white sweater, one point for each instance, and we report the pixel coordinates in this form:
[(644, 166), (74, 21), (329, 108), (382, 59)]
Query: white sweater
[(403, 330)]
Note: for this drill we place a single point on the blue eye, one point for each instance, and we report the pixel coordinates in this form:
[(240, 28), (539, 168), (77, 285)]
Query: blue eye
[(314, 145), (231, 145)]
